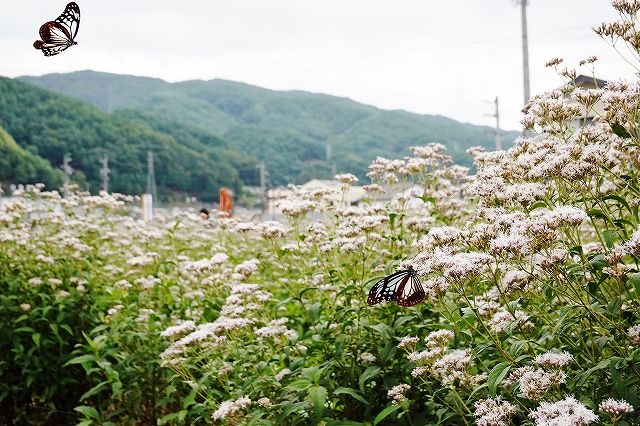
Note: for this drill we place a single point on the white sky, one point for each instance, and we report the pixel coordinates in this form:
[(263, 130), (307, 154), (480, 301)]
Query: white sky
[(444, 57)]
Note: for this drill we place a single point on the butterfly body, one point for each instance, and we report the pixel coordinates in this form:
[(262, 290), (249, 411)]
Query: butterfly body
[(403, 287), (57, 36)]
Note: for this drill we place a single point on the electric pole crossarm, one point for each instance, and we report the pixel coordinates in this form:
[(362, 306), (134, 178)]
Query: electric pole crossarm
[(498, 131)]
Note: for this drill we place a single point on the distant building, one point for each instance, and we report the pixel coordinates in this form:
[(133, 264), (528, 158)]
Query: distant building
[(352, 197), (587, 82)]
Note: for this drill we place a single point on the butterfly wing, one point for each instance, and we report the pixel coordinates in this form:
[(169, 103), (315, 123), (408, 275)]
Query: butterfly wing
[(50, 50), (387, 287), (52, 33), (410, 292), (70, 20), (59, 35)]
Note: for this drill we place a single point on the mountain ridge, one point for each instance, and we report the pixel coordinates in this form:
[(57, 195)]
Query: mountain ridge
[(298, 134), (48, 125)]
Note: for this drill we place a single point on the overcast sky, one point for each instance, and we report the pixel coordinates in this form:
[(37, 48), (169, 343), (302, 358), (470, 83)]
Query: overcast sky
[(444, 57)]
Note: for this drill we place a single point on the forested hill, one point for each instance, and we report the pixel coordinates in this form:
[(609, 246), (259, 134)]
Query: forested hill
[(46, 125), (289, 130), (18, 165)]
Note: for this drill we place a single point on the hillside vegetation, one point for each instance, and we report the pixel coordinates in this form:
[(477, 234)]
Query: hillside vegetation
[(49, 125), (18, 165), (289, 130)]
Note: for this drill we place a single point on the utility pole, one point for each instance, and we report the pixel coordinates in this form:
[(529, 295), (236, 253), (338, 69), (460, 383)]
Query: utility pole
[(496, 115), (151, 177), (263, 186), (104, 174), (330, 158), (68, 171), (525, 49)]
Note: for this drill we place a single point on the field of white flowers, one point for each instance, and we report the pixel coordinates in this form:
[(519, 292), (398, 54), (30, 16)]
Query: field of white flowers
[(530, 269)]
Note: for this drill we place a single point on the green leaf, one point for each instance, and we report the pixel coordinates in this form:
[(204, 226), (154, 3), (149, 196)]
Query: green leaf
[(496, 375), (609, 237), (36, 339), (619, 130), (318, 396), (634, 279), (619, 200), (179, 416), (299, 385), (598, 262), (190, 399), (312, 373), (392, 219), (595, 213), (368, 374), (582, 377), (88, 411), (80, 359), (616, 376), (94, 390), (385, 331), (384, 413), (351, 392), (613, 308)]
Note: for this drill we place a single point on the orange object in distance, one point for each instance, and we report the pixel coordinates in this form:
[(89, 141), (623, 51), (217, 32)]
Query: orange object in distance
[(226, 202)]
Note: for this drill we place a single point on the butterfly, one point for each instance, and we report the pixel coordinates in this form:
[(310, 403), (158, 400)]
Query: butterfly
[(60, 34), (403, 286)]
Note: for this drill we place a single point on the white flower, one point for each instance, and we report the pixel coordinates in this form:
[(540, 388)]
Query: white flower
[(264, 402), (634, 334), (35, 281), (140, 260), (615, 407), (503, 319), (427, 356), (346, 178), (567, 412), (534, 383), (275, 328), (439, 338), (408, 341), (397, 393), (179, 330), (367, 357), (454, 365), (230, 407), (219, 258), (282, 374), (510, 244), (494, 412), (553, 359), (25, 307)]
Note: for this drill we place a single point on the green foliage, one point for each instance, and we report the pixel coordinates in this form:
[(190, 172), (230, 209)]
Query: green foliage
[(289, 131), (50, 125), (18, 165)]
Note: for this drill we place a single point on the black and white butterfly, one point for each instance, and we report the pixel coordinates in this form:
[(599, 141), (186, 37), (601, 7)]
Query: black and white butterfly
[(60, 34), (403, 286)]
